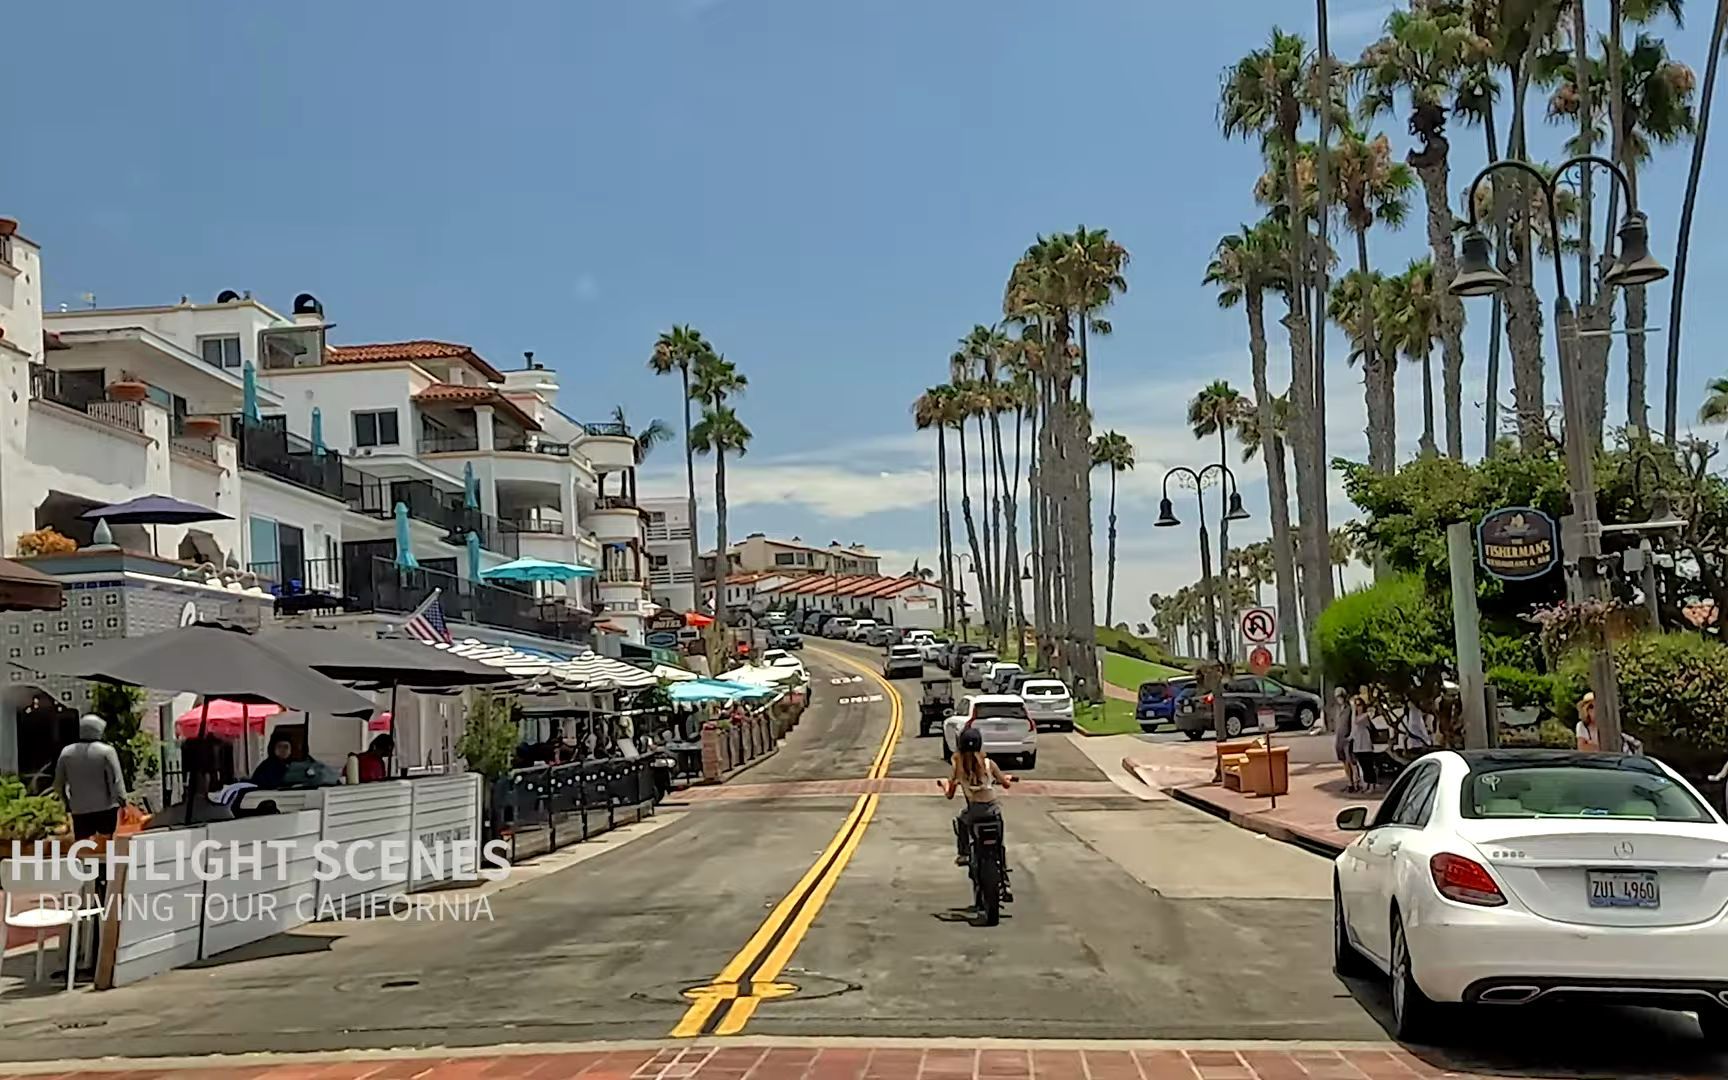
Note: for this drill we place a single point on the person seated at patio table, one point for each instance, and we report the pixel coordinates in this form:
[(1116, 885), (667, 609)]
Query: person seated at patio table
[(272, 772), (372, 764)]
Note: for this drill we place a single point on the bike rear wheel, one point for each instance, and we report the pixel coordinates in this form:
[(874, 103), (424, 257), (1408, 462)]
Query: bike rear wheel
[(987, 882)]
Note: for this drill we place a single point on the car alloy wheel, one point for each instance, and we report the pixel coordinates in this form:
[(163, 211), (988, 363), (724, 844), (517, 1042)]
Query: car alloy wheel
[(1232, 727), (1305, 717), (1412, 1012)]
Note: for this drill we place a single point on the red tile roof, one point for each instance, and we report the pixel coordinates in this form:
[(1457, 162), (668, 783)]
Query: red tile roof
[(385, 351), (457, 394)]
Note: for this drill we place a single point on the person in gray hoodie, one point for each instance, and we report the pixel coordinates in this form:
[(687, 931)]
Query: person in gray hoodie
[(87, 778)]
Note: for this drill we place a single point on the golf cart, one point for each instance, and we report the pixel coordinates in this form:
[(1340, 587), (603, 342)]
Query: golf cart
[(936, 705)]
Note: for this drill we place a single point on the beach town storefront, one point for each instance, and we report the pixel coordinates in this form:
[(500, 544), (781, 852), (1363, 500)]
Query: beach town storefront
[(109, 594)]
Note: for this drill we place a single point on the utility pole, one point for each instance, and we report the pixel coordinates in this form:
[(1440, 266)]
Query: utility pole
[(1467, 631)]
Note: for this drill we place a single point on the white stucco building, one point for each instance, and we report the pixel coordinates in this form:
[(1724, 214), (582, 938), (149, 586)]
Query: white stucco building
[(671, 576)]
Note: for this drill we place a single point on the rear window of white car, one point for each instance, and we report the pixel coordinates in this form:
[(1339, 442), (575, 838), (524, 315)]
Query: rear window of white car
[(905, 652), (1043, 689), (999, 710), (1579, 788)]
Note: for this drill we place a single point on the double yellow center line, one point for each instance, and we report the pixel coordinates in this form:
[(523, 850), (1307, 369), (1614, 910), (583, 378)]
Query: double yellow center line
[(726, 1005)]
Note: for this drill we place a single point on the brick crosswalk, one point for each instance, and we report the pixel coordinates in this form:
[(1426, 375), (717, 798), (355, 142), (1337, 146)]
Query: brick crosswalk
[(852, 1061), (1056, 789)]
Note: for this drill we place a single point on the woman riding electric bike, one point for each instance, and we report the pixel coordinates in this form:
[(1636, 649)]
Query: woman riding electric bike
[(979, 779)]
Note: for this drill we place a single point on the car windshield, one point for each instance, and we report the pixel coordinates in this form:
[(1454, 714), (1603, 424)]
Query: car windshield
[(904, 652), (1632, 789), (1044, 689), (999, 710)]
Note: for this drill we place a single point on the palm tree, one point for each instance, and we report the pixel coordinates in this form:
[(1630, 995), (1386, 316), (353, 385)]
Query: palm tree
[(714, 380), (1113, 451), (1412, 312), (982, 352), (1653, 107), (1355, 292), (657, 432), (1670, 416), (1343, 550), (678, 349), (1244, 267), (935, 409), (1264, 97), (1372, 189), (1217, 410), (1424, 53), (1715, 407)]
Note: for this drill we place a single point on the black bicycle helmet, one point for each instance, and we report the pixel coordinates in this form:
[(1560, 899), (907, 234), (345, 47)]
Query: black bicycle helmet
[(971, 740)]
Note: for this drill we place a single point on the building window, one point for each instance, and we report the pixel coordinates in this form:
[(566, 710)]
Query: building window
[(658, 562), (220, 352), (784, 558), (375, 428)]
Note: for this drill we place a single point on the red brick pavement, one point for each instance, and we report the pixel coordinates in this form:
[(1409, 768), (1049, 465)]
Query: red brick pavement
[(890, 786), (850, 1062)]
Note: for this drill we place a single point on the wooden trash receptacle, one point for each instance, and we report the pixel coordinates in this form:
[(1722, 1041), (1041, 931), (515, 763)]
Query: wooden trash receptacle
[(1266, 772)]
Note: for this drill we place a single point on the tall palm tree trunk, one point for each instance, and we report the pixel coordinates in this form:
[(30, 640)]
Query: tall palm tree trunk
[(1226, 618), (1433, 166), (1019, 593), (721, 561), (1110, 573), (992, 508), (1428, 445), (944, 538), (1034, 517), (1523, 308), (1310, 482), (1277, 484), (1085, 618), (690, 480), (1682, 247), (966, 511), (1007, 569)]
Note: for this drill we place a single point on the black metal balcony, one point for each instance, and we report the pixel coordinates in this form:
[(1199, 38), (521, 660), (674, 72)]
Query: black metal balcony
[(607, 427), (382, 586), (267, 446), (448, 442), (425, 502), (526, 444), (539, 526)]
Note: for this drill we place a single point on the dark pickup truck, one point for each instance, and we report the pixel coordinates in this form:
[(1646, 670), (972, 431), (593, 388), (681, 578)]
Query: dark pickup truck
[(1247, 699)]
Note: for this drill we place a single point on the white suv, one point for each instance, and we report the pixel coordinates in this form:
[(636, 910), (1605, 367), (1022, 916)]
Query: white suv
[(1003, 721), (1048, 702), (860, 629)]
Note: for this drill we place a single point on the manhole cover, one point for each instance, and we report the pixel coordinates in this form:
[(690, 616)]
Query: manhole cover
[(802, 985)]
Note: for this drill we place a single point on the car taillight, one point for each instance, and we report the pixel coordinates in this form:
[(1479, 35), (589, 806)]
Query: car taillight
[(1031, 724), (1464, 880), (1207, 700)]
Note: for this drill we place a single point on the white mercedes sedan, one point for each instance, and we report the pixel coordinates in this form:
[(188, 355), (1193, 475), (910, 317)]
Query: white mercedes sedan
[(1500, 878)]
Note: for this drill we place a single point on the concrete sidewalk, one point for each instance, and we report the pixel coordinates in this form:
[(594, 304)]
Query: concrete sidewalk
[(1304, 816)]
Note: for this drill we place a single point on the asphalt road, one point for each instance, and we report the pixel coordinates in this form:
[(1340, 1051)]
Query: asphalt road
[(1133, 919)]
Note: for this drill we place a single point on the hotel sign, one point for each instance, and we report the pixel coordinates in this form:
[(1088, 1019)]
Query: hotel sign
[(1518, 543)]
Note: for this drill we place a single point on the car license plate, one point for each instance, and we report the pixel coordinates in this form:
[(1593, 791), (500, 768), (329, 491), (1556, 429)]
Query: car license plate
[(1623, 890)]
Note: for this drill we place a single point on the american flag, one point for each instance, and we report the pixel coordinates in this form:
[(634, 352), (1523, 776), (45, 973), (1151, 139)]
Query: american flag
[(426, 622)]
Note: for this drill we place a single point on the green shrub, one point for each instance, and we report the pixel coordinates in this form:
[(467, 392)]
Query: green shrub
[(490, 737), (1393, 634), (1550, 733), (1522, 689), (25, 817), (123, 708), (1673, 694)]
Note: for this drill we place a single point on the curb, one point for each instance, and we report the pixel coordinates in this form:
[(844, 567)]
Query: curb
[(1252, 822)]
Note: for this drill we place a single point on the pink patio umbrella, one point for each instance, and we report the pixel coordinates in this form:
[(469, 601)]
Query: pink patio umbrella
[(225, 718)]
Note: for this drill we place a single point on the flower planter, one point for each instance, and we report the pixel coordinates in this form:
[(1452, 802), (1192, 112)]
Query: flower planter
[(127, 390), (203, 427)]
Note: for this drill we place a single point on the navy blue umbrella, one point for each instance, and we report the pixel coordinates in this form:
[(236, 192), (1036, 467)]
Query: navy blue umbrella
[(154, 510)]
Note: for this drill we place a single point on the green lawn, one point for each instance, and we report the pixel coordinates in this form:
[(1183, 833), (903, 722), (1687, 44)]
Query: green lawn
[(1128, 672), (1115, 718)]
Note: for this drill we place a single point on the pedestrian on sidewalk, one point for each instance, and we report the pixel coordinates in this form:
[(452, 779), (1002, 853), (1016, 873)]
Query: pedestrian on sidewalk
[(1342, 736)]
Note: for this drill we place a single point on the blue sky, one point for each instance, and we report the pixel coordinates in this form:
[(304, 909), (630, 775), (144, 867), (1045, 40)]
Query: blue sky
[(833, 192)]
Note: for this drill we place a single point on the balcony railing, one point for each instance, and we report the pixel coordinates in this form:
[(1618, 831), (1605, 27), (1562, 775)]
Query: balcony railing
[(607, 427), (615, 502), (541, 525), (385, 587), (448, 442), (45, 383), (620, 575), (297, 576), (267, 446), (668, 533), (525, 444), (443, 509)]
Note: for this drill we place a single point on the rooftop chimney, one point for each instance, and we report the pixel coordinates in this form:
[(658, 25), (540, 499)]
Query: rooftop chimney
[(308, 311)]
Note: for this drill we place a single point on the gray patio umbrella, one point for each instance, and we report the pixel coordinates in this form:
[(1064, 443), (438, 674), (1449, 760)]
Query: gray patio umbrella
[(387, 662), (209, 659), (154, 510)]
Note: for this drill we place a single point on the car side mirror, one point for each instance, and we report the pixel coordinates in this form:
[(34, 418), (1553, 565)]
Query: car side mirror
[(1352, 819)]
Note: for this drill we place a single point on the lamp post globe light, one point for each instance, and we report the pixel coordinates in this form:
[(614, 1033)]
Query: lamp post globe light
[(1234, 511), (1634, 265)]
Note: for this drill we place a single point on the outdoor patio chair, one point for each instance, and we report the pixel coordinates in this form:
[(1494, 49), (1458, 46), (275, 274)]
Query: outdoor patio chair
[(43, 894)]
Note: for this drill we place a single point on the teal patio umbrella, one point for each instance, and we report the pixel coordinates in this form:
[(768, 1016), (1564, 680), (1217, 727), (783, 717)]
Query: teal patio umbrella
[(531, 569), (473, 556), (470, 488), (317, 432), (249, 395), (404, 548)]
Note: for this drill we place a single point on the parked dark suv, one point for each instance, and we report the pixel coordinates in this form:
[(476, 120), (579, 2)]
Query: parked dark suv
[(1157, 701), (1246, 698)]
